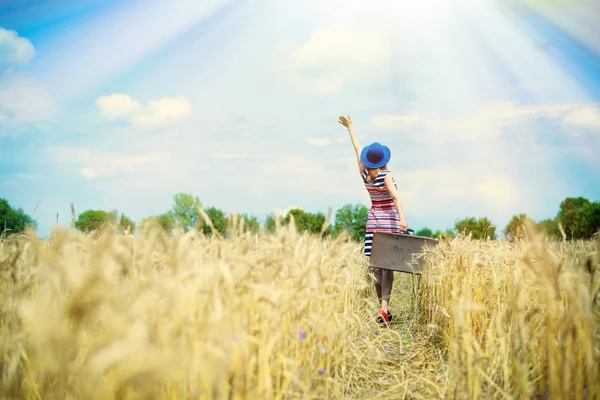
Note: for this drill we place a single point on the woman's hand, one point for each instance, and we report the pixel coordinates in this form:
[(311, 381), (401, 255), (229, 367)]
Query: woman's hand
[(403, 225), (346, 121)]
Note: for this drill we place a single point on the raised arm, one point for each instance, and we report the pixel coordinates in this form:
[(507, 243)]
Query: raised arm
[(347, 122), (391, 187)]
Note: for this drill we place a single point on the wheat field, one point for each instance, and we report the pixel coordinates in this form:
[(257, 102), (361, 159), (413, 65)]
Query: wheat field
[(285, 315)]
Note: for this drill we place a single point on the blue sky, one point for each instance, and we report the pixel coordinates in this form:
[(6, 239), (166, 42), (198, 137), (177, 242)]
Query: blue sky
[(490, 108)]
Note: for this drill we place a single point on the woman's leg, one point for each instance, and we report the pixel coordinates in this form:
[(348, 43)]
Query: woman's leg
[(386, 278), (377, 274)]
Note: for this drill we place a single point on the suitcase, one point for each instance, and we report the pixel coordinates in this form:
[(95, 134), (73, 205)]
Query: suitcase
[(397, 252)]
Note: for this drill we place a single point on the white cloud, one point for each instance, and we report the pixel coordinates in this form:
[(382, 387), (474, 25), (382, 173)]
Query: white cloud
[(229, 156), (391, 122), (23, 101), (585, 117), (91, 173), (118, 106), (319, 141), (487, 122), (221, 120), (291, 164), (94, 165), (455, 190), (14, 50), (335, 58), (162, 111), (498, 188), (121, 107), (340, 140)]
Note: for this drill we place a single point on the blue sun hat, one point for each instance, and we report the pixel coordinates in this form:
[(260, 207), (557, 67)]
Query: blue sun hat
[(375, 155)]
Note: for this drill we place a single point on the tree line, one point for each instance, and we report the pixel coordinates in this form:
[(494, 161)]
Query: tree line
[(578, 217)]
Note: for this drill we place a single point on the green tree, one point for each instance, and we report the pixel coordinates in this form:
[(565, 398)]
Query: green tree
[(219, 220), (549, 227), (185, 210), (591, 213), (251, 223), (166, 221), (13, 220), (300, 219), (307, 221), (425, 232), (467, 225), (573, 219), (515, 229), (304, 221), (479, 228), (448, 233), (315, 222), (270, 222), (352, 219), (91, 220), (126, 223)]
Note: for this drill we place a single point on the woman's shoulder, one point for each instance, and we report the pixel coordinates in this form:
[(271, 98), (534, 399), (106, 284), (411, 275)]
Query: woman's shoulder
[(380, 177)]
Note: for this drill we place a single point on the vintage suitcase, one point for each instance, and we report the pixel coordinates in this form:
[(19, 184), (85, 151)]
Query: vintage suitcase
[(395, 251)]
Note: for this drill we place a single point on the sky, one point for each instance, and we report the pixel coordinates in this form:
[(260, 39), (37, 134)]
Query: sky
[(490, 108)]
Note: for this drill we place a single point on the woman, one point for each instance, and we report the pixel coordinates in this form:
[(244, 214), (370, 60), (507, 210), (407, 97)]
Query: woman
[(386, 213)]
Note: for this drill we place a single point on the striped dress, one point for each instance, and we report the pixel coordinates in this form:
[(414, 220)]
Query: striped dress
[(383, 216)]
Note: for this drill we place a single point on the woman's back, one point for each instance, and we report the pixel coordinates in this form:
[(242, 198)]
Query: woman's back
[(376, 188)]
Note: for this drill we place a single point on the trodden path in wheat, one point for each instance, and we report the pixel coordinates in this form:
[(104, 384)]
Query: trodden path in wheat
[(284, 315)]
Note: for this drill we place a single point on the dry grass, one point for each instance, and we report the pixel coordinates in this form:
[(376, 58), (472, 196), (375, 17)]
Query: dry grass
[(516, 320), (285, 315)]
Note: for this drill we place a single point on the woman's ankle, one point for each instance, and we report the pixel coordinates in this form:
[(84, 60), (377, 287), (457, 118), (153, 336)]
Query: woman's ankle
[(384, 306)]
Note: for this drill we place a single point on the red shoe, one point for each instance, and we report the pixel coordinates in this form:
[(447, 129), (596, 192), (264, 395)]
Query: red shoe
[(383, 316)]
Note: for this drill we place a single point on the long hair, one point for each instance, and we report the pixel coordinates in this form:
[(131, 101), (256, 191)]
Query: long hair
[(374, 172)]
